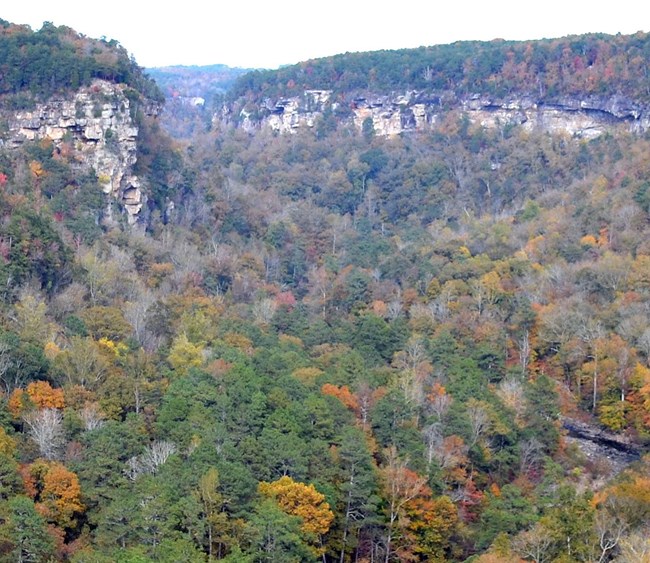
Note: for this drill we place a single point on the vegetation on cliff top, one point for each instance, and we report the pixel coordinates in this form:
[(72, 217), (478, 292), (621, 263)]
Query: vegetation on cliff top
[(36, 65), (583, 64)]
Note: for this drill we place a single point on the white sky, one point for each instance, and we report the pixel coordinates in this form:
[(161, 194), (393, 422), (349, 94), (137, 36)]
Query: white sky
[(266, 33)]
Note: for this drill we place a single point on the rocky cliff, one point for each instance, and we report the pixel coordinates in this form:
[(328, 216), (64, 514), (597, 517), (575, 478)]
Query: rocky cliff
[(97, 122), (390, 115)]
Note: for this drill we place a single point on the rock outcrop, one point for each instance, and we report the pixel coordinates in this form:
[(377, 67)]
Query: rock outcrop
[(97, 122), (392, 115)]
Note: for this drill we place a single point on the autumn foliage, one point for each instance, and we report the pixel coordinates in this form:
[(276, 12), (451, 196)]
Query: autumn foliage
[(55, 490), (38, 394), (299, 499)]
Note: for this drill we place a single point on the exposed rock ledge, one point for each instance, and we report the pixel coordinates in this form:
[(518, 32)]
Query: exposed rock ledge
[(611, 453), (584, 117), (97, 121)]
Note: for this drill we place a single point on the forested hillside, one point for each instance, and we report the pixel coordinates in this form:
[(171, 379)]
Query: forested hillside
[(55, 59), (329, 345), (581, 64)]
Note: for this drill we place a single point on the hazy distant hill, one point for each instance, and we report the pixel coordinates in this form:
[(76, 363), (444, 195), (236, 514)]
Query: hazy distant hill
[(195, 81)]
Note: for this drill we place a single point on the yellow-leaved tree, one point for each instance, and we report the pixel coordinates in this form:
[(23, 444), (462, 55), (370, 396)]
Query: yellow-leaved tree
[(299, 499), (184, 355)]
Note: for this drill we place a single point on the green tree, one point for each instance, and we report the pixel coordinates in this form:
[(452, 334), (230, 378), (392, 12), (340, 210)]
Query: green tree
[(277, 537), (542, 412), (358, 500), (10, 481), (23, 532), (570, 523), (507, 511)]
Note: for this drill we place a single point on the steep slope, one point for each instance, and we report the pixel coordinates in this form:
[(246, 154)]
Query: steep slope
[(84, 94)]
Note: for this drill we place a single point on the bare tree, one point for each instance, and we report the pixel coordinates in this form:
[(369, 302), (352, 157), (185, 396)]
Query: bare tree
[(402, 485), (531, 455), (6, 363), (524, 350), (635, 547), (365, 399), (534, 544), (479, 419), (135, 312), (591, 334), (433, 440), (155, 455), (394, 309), (511, 391), (439, 404), (609, 528), (264, 310), (133, 468), (414, 368), (46, 429), (91, 416)]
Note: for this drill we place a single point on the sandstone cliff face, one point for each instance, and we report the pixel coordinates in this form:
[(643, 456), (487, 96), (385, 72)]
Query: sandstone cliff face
[(97, 121), (284, 115), (393, 115)]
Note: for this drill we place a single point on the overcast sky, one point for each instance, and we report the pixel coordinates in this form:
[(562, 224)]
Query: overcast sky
[(266, 34)]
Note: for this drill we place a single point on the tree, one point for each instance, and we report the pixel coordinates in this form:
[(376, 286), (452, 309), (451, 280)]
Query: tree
[(58, 493), (276, 536), (83, 363), (358, 488), (116, 521), (542, 411), (31, 321), (401, 485), (430, 527), (507, 511), (304, 501), (39, 395), (570, 524), (10, 481), (106, 322), (184, 355), (45, 427), (23, 533), (343, 394)]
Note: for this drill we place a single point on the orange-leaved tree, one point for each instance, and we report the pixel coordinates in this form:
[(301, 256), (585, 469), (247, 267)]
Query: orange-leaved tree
[(56, 491), (343, 394), (38, 394)]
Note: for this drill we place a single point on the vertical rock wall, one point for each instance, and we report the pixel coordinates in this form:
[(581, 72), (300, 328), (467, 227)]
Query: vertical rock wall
[(97, 121)]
